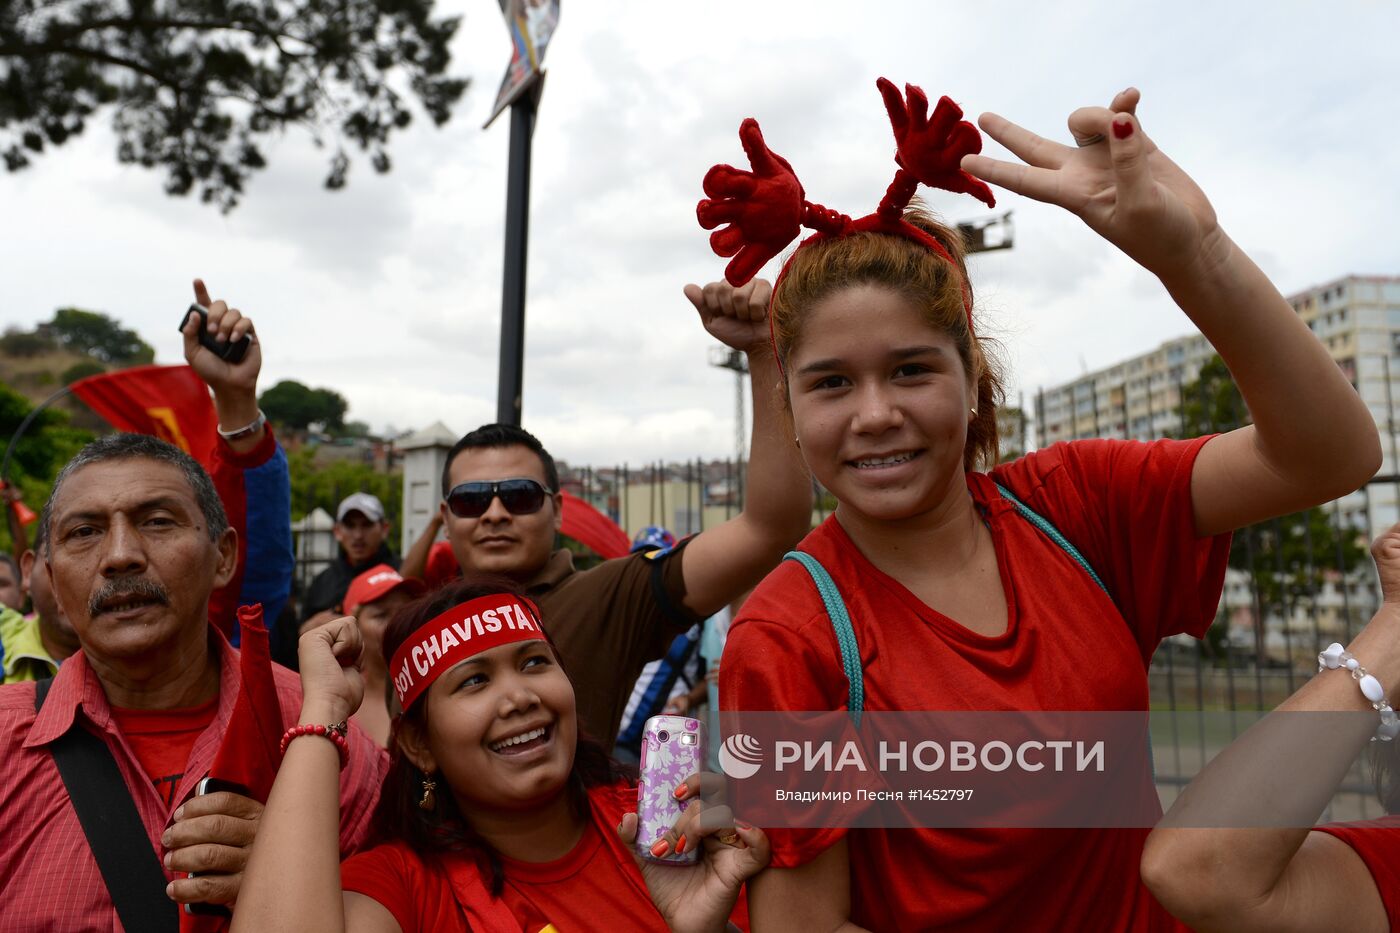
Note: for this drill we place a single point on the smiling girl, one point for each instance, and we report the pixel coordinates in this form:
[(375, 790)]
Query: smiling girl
[(496, 814), (958, 601)]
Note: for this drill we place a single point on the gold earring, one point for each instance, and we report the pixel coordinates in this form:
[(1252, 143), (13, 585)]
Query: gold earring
[(798, 441), (429, 799), (974, 412)]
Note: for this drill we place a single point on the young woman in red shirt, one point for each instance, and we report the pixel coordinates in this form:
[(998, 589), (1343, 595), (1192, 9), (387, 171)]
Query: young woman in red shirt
[(957, 601), (496, 814)]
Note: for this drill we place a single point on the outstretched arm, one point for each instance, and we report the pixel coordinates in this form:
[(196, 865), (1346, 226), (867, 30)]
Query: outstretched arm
[(1312, 438), (1287, 878), (727, 560)]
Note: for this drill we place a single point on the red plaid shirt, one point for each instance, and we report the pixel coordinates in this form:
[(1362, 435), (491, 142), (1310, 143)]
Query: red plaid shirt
[(49, 879)]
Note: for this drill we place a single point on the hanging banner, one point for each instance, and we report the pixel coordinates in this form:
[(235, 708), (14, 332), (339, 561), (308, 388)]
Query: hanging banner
[(531, 23)]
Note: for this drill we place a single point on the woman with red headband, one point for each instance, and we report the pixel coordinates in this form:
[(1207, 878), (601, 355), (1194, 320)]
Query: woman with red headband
[(496, 814), (1043, 584)]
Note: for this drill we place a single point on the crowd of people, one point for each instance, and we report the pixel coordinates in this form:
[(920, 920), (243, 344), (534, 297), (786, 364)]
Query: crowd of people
[(460, 751)]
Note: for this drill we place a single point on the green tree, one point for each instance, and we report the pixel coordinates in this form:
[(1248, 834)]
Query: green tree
[(16, 342), (81, 371), (195, 84), (48, 443), (100, 337), (1289, 558), (324, 485), (294, 405)]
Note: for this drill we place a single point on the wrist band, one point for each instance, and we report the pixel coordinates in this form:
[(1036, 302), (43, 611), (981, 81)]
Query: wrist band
[(1334, 656), (245, 431), (335, 732)]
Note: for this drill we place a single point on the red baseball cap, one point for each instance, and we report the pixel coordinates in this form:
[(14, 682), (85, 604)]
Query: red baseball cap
[(376, 583)]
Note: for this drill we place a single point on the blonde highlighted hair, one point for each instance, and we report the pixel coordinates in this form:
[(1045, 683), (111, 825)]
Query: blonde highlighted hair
[(912, 270)]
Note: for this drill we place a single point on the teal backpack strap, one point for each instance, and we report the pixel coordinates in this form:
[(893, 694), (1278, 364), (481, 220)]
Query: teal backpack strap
[(1053, 533), (841, 624)]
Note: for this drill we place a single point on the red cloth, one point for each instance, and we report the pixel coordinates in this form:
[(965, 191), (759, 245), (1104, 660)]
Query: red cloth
[(1378, 844), (597, 886), (1127, 507), (162, 739), (592, 528), (171, 402), (48, 876), (251, 749)]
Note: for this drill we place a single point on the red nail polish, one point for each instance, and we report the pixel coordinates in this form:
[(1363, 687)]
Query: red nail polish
[(682, 792), (680, 845), (1122, 129), (659, 847)]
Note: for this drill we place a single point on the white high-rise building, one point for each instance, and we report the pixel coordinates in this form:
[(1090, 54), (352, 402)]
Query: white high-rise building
[(1357, 318)]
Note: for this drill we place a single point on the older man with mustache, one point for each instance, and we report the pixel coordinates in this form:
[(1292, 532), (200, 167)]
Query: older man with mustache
[(137, 542)]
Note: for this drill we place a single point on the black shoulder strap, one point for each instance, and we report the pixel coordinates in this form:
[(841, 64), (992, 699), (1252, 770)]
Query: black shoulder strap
[(134, 877)]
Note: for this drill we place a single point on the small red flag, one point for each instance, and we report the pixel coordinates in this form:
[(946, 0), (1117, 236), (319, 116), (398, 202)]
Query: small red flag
[(169, 402)]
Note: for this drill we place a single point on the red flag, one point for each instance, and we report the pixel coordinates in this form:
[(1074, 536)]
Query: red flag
[(251, 748), (592, 528), (170, 402)]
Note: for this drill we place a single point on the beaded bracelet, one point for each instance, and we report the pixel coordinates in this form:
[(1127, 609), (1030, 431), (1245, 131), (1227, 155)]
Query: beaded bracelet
[(1334, 656), (335, 732)]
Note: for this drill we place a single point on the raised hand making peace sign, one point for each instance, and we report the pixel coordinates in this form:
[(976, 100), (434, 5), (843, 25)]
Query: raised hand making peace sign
[(1116, 180)]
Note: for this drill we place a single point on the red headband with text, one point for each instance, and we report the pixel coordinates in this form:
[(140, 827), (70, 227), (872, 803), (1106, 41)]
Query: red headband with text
[(465, 630), (765, 209)]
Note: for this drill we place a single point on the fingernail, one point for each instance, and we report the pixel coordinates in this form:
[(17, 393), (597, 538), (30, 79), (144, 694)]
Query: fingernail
[(170, 890), (180, 813), (166, 860), (659, 847), (1122, 129), (682, 792), (742, 825), (680, 845)]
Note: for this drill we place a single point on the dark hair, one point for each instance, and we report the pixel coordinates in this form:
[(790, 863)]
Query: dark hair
[(501, 435), (14, 567), (443, 828), (129, 446), (922, 276)]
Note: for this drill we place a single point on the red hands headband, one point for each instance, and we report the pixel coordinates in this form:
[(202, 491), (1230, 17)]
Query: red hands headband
[(465, 630), (766, 209)]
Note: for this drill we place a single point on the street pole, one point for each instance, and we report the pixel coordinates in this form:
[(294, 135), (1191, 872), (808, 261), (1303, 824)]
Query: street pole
[(512, 365)]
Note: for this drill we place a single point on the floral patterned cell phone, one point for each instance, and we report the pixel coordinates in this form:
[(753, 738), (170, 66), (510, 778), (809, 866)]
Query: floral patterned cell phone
[(673, 748)]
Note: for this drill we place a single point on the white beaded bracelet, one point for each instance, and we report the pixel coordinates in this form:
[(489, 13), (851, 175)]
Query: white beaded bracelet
[(1335, 656)]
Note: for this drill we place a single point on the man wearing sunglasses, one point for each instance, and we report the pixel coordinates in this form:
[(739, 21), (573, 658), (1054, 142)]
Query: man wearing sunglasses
[(502, 507)]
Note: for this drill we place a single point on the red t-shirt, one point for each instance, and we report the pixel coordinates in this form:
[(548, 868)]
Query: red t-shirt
[(596, 886), (162, 739), (1378, 844), (1127, 507)]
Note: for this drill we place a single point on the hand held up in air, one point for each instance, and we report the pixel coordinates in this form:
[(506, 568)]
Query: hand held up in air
[(699, 897), (737, 317), (1117, 181), (331, 684)]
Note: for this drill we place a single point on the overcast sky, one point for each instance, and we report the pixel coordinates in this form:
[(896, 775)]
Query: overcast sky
[(389, 290)]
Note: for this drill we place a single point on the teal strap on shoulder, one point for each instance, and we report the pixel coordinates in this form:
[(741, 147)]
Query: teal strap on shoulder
[(841, 624), (1053, 533)]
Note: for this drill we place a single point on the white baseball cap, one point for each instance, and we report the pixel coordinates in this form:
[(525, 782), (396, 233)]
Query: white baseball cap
[(361, 502)]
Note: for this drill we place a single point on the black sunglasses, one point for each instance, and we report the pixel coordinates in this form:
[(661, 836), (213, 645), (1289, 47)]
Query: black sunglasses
[(519, 496)]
